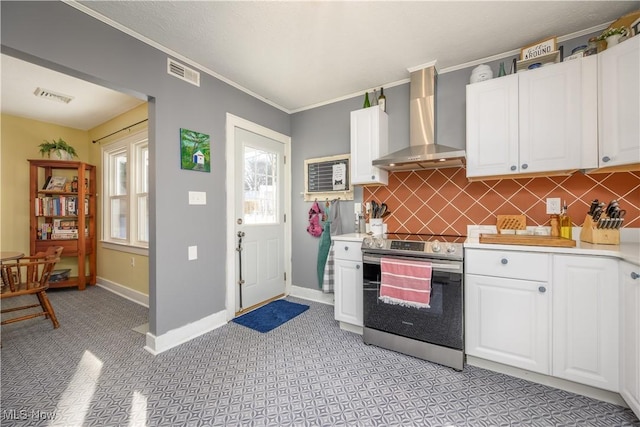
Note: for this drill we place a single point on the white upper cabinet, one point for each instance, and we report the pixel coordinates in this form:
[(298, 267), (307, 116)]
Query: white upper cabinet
[(492, 127), (543, 120), (369, 141), (619, 112), (558, 116)]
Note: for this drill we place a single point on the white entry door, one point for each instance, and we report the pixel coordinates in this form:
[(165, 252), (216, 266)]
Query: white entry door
[(259, 213)]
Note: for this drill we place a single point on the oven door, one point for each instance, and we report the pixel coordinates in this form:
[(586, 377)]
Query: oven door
[(442, 323)]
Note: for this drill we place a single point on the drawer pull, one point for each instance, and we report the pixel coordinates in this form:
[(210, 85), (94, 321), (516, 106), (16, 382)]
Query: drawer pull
[(504, 261), (542, 289), (346, 248), (634, 275), (357, 266)]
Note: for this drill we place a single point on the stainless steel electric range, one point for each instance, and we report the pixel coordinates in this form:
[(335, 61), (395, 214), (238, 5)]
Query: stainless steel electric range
[(434, 332)]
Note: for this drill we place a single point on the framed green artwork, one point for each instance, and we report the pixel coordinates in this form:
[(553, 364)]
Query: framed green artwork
[(195, 151)]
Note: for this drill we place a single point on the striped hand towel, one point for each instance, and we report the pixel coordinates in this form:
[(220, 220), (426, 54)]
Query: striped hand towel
[(405, 282)]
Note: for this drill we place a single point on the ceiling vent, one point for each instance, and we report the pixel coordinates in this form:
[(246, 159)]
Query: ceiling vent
[(182, 72), (54, 96)]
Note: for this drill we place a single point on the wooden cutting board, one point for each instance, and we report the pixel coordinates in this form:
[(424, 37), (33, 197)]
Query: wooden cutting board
[(527, 240)]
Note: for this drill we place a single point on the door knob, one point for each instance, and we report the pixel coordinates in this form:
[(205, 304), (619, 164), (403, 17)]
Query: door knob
[(606, 159), (634, 275), (239, 221), (542, 289)]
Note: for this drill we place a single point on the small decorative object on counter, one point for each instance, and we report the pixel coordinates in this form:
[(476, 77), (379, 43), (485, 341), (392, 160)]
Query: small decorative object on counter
[(367, 104), (565, 223), (481, 73), (502, 72), (555, 226), (382, 100)]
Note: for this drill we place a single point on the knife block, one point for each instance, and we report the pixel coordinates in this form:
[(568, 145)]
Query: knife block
[(602, 236)]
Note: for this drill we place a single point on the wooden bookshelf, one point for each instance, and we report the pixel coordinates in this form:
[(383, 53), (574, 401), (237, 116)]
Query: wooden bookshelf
[(74, 204)]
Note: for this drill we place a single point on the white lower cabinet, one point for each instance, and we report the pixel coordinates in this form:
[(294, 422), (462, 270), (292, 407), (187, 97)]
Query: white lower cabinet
[(585, 320), (630, 336), (348, 282), (506, 317), (507, 321), (553, 314)]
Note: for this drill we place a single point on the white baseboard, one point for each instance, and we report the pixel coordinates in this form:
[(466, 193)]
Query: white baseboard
[(125, 292), (581, 389), (175, 337), (311, 295)]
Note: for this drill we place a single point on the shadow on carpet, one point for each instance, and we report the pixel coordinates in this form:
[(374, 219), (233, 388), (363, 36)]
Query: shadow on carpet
[(270, 316)]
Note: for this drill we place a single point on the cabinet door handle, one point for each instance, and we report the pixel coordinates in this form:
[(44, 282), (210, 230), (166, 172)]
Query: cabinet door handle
[(606, 159), (542, 289), (524, 166), (346, 248), (373, 177), (514, 167), (634, 275), (504, 261), (357, 266)]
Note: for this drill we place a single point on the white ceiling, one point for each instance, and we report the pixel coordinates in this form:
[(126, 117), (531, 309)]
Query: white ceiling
[(297, 55), (91, 104)]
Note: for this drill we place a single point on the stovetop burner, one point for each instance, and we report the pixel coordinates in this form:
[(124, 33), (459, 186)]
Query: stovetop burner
[(421, 245)]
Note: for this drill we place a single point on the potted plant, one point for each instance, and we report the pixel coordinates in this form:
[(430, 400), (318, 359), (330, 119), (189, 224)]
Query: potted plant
[(612, 35), (57, 149)]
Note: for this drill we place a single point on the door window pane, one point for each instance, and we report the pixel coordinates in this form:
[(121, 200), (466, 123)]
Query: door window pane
[(260, 198)]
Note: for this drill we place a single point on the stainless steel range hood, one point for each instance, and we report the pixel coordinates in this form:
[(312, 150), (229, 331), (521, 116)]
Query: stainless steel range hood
[(423, 152)]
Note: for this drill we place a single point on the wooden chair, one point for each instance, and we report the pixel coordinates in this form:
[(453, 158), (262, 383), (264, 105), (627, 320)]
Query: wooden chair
[(29, 278), (51, 252)]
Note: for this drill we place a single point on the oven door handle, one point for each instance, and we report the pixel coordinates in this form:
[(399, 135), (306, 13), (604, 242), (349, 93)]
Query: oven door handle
[(368, 259)]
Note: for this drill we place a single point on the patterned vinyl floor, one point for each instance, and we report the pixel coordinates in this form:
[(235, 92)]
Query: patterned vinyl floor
[(93, 371)]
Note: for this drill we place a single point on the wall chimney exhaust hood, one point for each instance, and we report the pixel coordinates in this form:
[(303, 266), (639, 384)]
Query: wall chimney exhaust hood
[(423, 152)]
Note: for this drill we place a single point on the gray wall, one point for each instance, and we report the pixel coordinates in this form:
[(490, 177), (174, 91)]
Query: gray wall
[(325, 131), (181, 291)]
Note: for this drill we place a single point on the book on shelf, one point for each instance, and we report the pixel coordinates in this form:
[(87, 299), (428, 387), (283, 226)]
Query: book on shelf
[(56, 183), (64, 236)]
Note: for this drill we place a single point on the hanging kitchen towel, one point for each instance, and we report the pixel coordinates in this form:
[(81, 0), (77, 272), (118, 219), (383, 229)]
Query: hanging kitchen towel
[(334, 218), (405, 282), (324, 245), (315, 216), (328, 279)]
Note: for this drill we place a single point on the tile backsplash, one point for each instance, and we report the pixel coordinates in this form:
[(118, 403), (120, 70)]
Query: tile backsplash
[(443, 201)]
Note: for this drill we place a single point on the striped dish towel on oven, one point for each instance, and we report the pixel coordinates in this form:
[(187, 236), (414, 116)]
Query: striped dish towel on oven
[(405, 282)]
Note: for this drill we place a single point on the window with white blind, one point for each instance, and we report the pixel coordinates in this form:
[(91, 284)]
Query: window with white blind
[(125, 180)]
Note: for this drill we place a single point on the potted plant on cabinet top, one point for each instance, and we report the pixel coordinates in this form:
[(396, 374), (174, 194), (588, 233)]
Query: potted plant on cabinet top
[(612, 35), (59, 149)]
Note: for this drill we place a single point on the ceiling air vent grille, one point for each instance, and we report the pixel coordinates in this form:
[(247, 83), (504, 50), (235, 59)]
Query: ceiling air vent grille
[(182, 72), (54, 96)]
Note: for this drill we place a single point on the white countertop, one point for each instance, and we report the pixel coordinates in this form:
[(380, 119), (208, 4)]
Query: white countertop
[(625, 250), (350, 237)]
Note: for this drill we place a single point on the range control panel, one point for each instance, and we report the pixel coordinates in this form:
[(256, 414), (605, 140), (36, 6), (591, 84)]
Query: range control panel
[(407, 245)]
